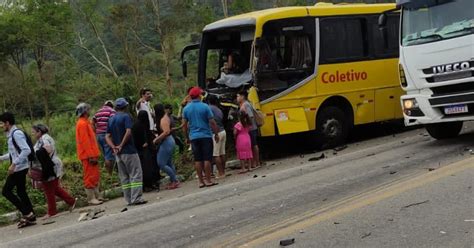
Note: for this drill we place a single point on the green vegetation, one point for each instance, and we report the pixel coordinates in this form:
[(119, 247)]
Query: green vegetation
[(55, 54)]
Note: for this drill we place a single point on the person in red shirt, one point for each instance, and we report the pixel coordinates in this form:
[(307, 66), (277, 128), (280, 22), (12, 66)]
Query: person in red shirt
[(88, 152)]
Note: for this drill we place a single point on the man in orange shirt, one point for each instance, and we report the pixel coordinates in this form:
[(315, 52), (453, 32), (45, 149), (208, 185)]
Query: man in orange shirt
[(88, 153)]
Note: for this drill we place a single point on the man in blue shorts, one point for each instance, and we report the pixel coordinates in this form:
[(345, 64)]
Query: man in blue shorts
[(199, 126)]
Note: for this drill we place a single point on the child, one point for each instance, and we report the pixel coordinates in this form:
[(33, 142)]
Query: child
[(242, 142)]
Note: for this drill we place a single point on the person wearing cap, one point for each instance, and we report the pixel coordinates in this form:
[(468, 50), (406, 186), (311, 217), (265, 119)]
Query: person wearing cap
[(88, 153), (46, 154), (144, 104), (119, 138), (100, 121), (199, 126)]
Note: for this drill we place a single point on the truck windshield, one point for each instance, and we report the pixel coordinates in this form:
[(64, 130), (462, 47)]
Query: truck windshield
[(425, 21)]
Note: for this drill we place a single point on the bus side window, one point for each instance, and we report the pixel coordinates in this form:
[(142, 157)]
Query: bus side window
[(343, 40), (285, 54)]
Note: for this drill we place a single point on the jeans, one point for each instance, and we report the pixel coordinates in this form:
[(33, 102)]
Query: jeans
[(165, 157), (22, 201)]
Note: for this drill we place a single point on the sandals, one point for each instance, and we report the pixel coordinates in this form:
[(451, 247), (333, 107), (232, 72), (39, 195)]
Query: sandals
[(212, 184), (27, 221)]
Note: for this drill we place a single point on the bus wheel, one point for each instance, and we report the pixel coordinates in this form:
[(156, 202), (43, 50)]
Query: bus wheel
[(332, 127), (444, 130)]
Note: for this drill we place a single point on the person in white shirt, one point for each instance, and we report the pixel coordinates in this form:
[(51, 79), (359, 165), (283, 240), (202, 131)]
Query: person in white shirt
[(145, 105)]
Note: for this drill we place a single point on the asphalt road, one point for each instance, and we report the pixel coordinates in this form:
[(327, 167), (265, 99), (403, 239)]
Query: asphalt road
[(405, 190)]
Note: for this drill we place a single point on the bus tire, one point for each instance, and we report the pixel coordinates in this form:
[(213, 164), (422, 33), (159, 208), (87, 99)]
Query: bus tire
[(444, 130), (332, 127)]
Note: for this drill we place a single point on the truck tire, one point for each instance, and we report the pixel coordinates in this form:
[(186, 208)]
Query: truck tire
[(332, 127), (444, 130)]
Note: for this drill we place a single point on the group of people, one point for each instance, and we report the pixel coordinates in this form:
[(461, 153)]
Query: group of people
[(40, 161), (139, 149)]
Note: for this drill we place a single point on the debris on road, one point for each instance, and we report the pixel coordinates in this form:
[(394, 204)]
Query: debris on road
[(390, 219), (124, 210), (287, 242), (392, 172), (469, 220), (366, 235), (431, 169), (255, 176), (340, 148), (415, 204), (385, 167), (192, 216), (264, 176), (336, 223), (370, 155), (442, 232), (317, 158), (91, 214), (82, 217), (49, 222), (301, 231)]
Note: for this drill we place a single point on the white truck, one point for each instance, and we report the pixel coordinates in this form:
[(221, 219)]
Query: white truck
[(437, 64)]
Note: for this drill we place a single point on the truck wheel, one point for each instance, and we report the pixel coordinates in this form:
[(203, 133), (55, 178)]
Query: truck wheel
[(332, 127), (444, 130)]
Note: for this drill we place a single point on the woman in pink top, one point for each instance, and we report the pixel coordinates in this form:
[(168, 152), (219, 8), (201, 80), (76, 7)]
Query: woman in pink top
[(243, 142)]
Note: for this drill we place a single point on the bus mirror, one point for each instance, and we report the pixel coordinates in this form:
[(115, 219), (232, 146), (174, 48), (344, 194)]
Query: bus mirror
[(382, 20), (184, 64)]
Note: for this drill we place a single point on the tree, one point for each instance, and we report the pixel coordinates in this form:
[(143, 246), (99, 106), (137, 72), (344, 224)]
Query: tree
[(124, 19), (48, 28), (225, 8), (12, 51), (241, 6), (86, 12)]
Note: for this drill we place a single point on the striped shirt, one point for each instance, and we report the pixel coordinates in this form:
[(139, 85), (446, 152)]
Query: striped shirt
[(101, 119)]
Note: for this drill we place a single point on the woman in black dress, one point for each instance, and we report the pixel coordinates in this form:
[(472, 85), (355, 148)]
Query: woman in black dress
[(143, 139)]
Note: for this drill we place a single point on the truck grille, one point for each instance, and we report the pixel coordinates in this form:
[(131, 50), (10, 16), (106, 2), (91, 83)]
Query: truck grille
[(451, 76), (451, 100), (453, 89), (447, 76)]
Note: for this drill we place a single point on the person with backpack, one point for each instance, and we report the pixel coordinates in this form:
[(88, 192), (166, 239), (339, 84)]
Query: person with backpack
[(247, 107), (51, 170), (88, 153), (20, 155)]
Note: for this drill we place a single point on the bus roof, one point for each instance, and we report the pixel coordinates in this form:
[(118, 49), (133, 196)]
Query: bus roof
[(319, 9)]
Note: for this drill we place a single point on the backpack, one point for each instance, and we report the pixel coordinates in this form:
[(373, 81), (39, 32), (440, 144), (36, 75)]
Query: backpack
[(31, 156), (258, 116)]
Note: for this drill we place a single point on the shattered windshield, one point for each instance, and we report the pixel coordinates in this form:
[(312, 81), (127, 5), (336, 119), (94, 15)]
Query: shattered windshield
[(426, 23)]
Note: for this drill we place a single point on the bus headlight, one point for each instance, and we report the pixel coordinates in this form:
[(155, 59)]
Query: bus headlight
[(403, 78), (410, 103)]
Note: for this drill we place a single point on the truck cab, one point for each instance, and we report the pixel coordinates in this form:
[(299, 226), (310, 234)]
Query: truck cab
[(437, 64)]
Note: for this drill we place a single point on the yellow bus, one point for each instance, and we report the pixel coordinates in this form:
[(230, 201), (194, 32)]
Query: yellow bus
[(325, 67)]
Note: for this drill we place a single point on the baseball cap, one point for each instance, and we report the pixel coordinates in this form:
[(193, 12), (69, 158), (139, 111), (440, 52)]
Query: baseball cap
[(195, 92), (121, 102)]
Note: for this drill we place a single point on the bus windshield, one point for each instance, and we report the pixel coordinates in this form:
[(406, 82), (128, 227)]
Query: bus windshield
[(425, 21), (226, 56)]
